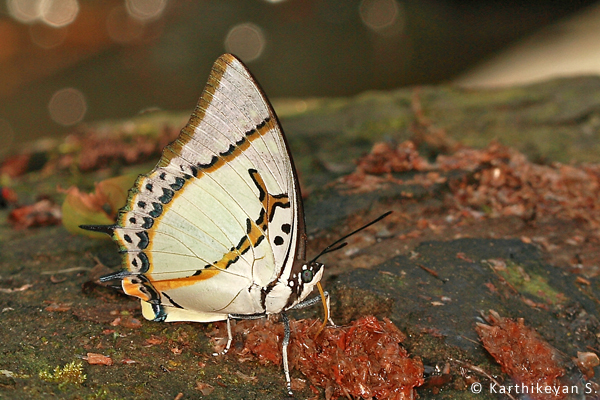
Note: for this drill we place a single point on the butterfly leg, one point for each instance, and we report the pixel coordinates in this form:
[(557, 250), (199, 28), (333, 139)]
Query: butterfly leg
[(284, 348), (229, 334), (328, 301), (229, 338), (314, 300), (286, 340), (286, 335)]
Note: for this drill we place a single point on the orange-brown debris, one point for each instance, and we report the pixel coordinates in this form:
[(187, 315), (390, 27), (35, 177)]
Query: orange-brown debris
[(502, 181), (364, 359), (497, 182), (385, 159), (523, 355), (43, 213)]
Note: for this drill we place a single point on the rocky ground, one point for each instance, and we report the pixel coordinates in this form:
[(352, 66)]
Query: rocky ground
[(485, 273)]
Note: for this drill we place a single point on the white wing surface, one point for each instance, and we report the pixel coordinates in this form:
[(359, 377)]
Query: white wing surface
[(219, 220)]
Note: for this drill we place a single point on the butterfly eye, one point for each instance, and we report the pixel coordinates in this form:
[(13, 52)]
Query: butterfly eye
[(307, 276)]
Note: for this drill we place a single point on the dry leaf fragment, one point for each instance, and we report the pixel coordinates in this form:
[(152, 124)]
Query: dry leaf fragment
[(98, 359), (204, 388)]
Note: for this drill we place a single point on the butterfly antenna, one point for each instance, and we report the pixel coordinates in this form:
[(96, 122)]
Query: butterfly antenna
[(338, 243)]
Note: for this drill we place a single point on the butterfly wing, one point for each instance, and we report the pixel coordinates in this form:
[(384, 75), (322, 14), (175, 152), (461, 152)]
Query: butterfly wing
[(217, 226)]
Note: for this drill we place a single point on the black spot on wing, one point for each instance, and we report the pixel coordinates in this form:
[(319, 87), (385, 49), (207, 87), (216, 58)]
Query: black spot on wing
[(287, 228), (145, 262), (212, 162), (229, 151), (148, 222), (143, 265), (263, 123), (178, 183), (158, 209), (144, 240), (167, 196), (252, 132), (278, 240)]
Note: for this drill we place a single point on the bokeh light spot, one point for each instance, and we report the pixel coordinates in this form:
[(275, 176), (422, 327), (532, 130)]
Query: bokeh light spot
[(47, 37), (67, 106), (59, 13), (122, 28), (246, 41), (146, 10), (379, 15), (24, 10)]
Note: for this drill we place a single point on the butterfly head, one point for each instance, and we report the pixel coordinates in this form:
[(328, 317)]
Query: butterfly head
[(303, 281), (310, 272)]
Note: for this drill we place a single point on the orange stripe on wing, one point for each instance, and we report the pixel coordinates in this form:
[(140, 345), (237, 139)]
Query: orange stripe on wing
[(169, 284), (253, 237)]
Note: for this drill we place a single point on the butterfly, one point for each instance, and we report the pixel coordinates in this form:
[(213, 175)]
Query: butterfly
[(216, 230)]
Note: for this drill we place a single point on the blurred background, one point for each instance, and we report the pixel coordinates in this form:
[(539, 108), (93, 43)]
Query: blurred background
[(63, 62)]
